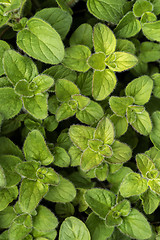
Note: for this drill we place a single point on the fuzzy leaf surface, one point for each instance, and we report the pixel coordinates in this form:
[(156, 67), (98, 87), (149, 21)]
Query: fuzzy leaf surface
[(132, 185), (140, 89), (121, 61), (36, 149), (100, 201), (128, 26), (103, 84), (31, 192), (76, 58), (97, 227), (154, 135), (64, 192), (121, 153), (131, 223), (140, 120), (73, 228), (18, 67), (10, 103), (47, 48), (103, 39), (59, 19), (108, 10)]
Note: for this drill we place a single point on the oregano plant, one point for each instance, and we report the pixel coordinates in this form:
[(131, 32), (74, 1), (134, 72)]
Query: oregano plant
[(79, 120)]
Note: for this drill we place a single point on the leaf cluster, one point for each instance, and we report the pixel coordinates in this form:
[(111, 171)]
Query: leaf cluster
[(79, 119)]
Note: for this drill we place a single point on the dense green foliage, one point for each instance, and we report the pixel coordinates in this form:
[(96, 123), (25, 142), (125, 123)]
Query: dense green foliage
[(79, 119)]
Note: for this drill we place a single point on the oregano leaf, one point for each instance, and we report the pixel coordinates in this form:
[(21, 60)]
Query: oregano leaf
[(47, 47)]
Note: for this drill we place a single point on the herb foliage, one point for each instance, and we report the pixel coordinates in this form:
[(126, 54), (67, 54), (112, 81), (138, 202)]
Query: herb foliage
[(79, 119)]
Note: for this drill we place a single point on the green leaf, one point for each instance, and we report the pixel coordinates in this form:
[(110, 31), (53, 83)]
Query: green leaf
[(4, 46), (22, 89), (145, 165), (65, 110), (152, 30), (4, 19), (101, 171), (76, 58), (82, 35), (84, 82), (75, 155), (114, 217), (103, 39), (28, 169), (124, 45), (59, 19), (97, 227), (120, 125), (108, 10), (6, 217), (10, 103), (133, 184), (20, 227), (63, 140), (64, 209), (154, 184), (72, 228), (18, 67), (103, 84), (80, 135), (156, 85), (45, 220), (95, 144), (142, 6), (116, 176), (117, 234), (36, 149), (60, 72), (91, 114), (105, 131), (119, 104), (136, 226), (61, 157), (154, 154), (41, 83), (90, 159), (8, 164), (150, 201), (36, 105), (156, 5), (121, 61), (140, 89), (47, 176), (7, 147), (121, 153), (7, 195), (97, 61), (14, 5), (4, 82), (100, 201), (47, 47), (140, 120), (148, 17), (31, 192), (149, 52), (154, 135), (65, 89), (64, 6), (82, 101), (2, 178), (63, 192), (128, 26), (50, 123)]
